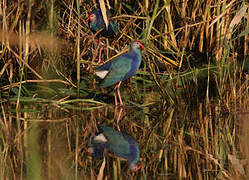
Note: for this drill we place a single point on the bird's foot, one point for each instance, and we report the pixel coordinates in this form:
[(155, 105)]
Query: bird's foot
[(118, 128)]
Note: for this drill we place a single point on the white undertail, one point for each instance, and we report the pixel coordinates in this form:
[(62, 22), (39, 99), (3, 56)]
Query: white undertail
[(101, 74), (100, 138)]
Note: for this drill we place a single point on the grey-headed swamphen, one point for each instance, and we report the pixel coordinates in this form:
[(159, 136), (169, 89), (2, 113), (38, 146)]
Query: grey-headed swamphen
[(118, 143), (120, 69)]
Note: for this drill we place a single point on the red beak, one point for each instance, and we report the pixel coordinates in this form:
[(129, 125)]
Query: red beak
[(138, 166), (140, 44), (90, 15), (87, 151)]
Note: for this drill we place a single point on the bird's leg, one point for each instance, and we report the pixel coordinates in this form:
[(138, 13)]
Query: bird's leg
[(120, 99), (119, 117), (119, 95), (115, 96), (115, 111), (99, 114), (100, 49), (99, 61)]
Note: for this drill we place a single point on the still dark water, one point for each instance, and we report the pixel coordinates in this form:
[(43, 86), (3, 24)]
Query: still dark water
[(48, 140)]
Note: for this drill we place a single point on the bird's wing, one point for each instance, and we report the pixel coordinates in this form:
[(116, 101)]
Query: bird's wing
[(117, 143), (119, 68), (103, 67)]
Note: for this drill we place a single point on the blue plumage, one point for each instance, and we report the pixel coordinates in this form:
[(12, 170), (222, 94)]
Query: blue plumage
[(118, 143), (122, 67), (96, 22)]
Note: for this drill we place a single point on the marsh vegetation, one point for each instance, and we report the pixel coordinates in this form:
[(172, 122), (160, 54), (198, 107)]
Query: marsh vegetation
[(187, 106)]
